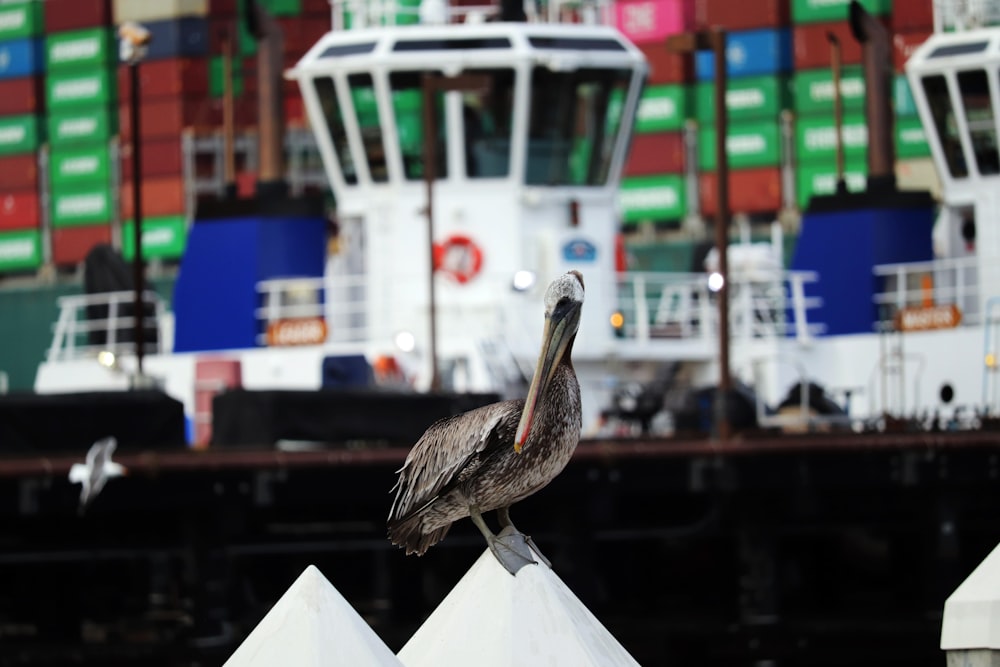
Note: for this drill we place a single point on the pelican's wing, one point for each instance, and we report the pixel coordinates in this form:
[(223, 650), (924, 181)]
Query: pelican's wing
[(449, 447)]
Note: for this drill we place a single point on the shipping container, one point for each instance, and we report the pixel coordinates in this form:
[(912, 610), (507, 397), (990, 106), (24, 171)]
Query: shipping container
[(816, 138), (20, 250), (918, 174), (161, 196), (164, 78), (178, 38), (163, 237), (63, 15), (750, 53), (657, 153), (295, 111), (301, 34), (216, 67), (748, 144), (912, 15), (21, 57), (80, 88), (143, 11), (227, 8), (168, 117), (650, 21), (19, 172), (320, 7), (69, 166), (20, 19), (903, 46), (81, 49), (902, 97), (812, 90), (20, 210), (813, 49), (821, 179), (223, 30), (662, 107), (81, 205), (22, 96), (747, 98), (71, 245), (86, 125), (911, 141), (819, 11), (735, 15), (750, 191), (160, 157), (652, 198), (20, 134)]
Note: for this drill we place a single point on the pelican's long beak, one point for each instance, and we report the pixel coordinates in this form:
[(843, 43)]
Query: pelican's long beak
[(560, 327)]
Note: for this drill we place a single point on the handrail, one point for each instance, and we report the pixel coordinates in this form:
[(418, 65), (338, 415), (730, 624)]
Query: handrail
[(75, 323)]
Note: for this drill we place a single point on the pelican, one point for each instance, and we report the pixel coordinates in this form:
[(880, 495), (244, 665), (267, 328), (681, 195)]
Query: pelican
[(94, 474), (491, 457)]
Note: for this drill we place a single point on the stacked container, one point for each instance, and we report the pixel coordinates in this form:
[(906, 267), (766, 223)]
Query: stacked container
[(912, 23), (80, 94), (653, 189), (21, 133), (758, 63)]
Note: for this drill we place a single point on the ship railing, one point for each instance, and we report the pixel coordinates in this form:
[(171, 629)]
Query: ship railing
[(656, 305), (89, 324), (339, 301), (352, 14), (940, 282)]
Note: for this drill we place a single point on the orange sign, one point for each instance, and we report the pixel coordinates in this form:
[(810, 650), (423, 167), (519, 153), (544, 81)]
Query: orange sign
[(297, 331), (928, 317)]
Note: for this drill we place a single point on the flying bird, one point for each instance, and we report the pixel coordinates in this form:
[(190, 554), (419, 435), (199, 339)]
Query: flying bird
[(491, 457), (95, 472)]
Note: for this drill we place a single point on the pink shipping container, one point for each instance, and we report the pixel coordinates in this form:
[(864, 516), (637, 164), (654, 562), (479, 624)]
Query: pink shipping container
[(645, 21)]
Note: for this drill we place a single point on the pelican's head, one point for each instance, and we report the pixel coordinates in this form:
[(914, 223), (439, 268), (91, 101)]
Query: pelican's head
[(563, 302)]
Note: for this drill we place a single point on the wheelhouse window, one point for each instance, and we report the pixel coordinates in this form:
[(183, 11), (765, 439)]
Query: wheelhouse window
[(366, 106), (487, 117), (945, 126), (574, 122), (975, 90), (327, 94), (407, 107)]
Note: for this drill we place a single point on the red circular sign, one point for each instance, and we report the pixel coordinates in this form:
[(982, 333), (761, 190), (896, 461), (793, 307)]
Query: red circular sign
[(458, 257)]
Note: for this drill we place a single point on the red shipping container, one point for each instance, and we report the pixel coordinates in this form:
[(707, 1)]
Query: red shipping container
[(18, 172), (19, 210), (736, 15), (662, 152), (317, 8), (22, 96), (220, 30), (168, 117), (224, 7), (667, 67), (160, 196), (301, 34), (70, 245), (295, 111), (903, 46), (246, 184), (913, 16), (750, 190), (812, 48), (160, 157), (211, 377), (61, 15), (171, 77)]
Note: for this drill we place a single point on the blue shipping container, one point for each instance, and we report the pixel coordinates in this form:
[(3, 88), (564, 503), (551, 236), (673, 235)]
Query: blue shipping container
[(750, 53), (178, 38), (21, 57)]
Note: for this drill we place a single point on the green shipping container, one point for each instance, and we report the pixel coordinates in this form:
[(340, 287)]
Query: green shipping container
[(816, 138), (282, 7), (816, 11), (748, 144), (81, 49), (76, 126), (747, 98), (163, 237), (812, 90), (653, 198), (19, 134), (21, 19), (821, 179), (20, 250), (83, 165), (662, 108), (81, 205), (215, 77), (911, 141), (902, 97), (81, 89)]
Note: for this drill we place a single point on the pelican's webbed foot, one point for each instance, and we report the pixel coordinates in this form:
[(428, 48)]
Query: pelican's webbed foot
[(512, 549), (503, 514)]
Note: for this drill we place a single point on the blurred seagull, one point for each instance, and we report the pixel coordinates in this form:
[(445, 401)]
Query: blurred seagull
[(95, 472)]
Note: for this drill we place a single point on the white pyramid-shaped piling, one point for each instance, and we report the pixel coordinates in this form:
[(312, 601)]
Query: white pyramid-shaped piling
[(491, 619), (311, 625), (972, 612)]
